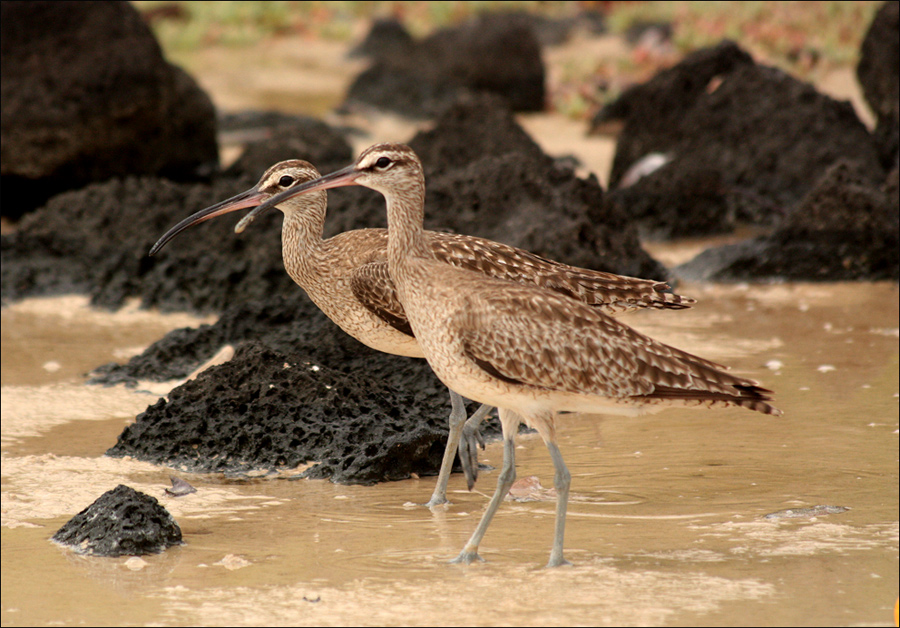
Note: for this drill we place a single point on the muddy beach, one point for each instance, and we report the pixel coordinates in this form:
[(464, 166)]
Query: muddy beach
[(668, 513)]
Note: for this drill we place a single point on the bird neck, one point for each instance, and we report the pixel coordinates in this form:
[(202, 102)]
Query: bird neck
[(406, 232), (301, 243)]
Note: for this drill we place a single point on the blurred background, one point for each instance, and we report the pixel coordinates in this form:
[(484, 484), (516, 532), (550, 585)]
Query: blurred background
[(745, 152)]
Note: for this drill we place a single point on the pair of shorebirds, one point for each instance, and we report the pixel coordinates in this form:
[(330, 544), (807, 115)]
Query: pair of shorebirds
[(498, 325)]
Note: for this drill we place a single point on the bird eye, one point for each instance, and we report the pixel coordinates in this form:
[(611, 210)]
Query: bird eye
[(286, 181), (383, 162)]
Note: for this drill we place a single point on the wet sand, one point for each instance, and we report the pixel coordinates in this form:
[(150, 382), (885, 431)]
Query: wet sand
[(665, 522)]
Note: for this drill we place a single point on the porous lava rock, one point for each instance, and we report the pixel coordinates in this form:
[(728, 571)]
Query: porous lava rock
[(846, 228), (745, 143), (121, 522), (497, 53), (879, 76), (265, 409), (95, 241), (87, 95)]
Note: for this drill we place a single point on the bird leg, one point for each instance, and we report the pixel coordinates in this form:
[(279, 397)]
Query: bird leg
[(469, 442), (457, 419), (561, 482), (505, 480)]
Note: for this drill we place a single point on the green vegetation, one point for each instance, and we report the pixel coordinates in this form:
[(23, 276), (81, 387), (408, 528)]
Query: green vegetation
[(778, 33), (807, 39), (187, 25), (776, 30)]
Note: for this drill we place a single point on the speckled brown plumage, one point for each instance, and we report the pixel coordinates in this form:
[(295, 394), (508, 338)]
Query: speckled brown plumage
[(542, 341), (526, 349), (347, 276)]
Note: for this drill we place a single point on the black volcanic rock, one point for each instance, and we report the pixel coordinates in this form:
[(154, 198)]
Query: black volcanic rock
[(269, 410), (86, 96), (470, 129), (879, 76), (96, 240), (121, 522), (272, 136), (744, 144), (496, 53), (846, 228), (651, 109)]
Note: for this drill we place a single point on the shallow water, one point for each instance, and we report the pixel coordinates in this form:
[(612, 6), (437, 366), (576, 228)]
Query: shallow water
[(666, 519)]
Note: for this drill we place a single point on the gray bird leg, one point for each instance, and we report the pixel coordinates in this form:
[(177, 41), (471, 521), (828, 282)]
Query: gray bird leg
[(505, 480), (561, 481), (457, 420), (469, 442)]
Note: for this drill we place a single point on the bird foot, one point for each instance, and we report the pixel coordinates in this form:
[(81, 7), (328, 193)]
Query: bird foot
[(467, 557), (436, 500), (557, 561)]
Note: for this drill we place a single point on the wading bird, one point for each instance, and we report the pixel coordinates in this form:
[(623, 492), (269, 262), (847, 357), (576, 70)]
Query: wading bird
[(346, 276), (529, 351)]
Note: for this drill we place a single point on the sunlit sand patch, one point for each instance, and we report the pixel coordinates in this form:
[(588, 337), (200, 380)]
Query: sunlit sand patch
[(162, 389), (792, 538), (49, 486), (687, 556), (32, 410), (72, 307), (486, 594)]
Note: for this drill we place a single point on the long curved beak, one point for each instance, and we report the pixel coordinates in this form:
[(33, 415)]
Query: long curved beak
[(340, 178), (250, 198)]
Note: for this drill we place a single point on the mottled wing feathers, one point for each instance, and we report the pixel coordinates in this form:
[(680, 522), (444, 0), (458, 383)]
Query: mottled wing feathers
[(751, 397), (549, 342), (613, 294), (374, 289), (530, 342)]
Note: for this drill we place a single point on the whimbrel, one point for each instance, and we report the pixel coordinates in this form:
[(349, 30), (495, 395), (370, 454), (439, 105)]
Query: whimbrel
[(527, 350), (346, 276)]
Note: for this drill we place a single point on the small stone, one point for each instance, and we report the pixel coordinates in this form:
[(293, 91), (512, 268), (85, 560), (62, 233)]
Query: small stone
[(121, 522)]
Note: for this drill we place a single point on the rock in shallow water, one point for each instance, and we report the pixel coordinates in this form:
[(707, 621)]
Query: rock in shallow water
[(121, 522), (270, 410)]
